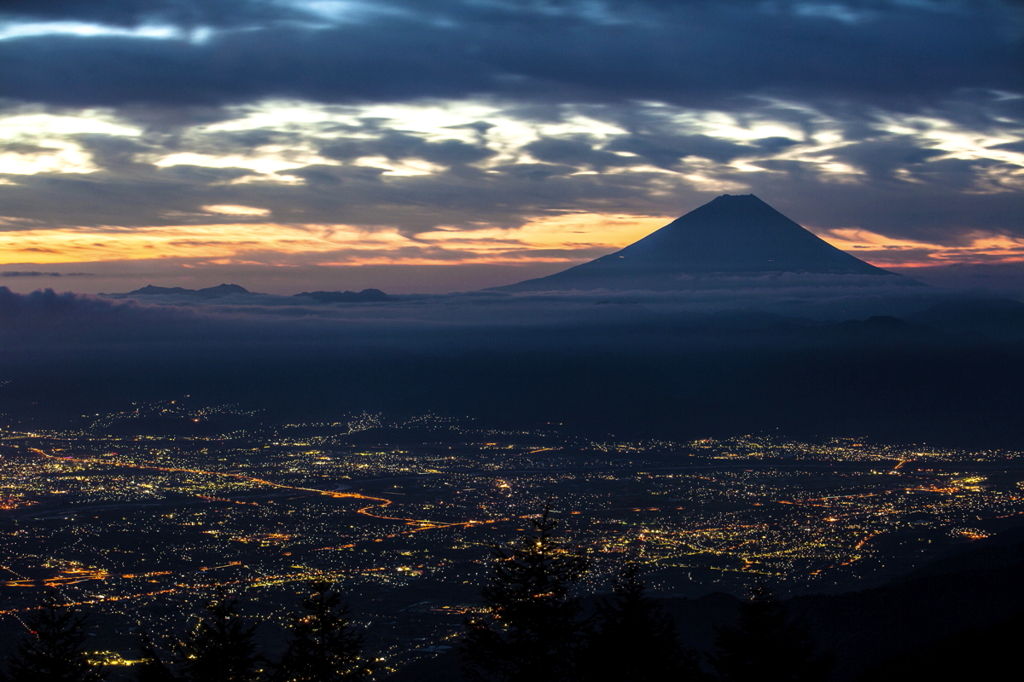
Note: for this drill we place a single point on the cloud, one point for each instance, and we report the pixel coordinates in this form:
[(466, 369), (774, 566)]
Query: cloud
[(36, 273), (883, 158), (426, 317), (418, 166), (903, 120), (637, 362), (401, 185), (693, 53), (133, 12), (180, 331), (396, 146), (565, 239)]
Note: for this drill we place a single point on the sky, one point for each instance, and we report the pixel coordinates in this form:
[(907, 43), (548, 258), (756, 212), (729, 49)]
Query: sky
[(415, 147)]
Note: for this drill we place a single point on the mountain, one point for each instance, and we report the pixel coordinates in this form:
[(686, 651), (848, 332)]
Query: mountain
[(723, 243), (364, 296), (218, 291), (225, 290)]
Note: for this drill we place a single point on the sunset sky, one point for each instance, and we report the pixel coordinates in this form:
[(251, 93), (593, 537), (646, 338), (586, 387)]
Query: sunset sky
[(291, 145)]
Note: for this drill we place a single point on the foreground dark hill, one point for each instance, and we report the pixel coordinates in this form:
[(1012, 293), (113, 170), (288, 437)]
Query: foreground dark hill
[(727, 238), (960, 617)]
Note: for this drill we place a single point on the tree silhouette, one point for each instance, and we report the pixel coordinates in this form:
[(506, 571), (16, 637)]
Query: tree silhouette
[(323, 647), (52, 649), (766, 645), (150, 668), (533, 631), (634, 638), (220, 648)]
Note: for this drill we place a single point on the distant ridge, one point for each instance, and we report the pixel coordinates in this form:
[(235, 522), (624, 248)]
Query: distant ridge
[(223, 290), (209, 292), (730, 237), (366, 295)]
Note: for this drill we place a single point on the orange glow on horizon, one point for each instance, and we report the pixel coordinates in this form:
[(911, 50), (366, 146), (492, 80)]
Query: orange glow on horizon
[(889, 252), (332, 245), (565, 238)]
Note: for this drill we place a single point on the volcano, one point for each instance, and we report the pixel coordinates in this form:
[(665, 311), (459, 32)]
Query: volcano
[(731, 241)]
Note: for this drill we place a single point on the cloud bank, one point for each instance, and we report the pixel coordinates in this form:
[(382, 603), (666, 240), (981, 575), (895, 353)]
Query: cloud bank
[(208, 137)]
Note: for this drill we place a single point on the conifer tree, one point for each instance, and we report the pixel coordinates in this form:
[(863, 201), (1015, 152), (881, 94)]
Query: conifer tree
[(766, 645), (150, 668), (221, 647), (324, 647), (634, 638), (533, 631), (52, 649)]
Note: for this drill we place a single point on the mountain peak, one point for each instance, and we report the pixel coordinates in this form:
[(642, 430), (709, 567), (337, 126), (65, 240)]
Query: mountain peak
[(223, 290), (731, 236)]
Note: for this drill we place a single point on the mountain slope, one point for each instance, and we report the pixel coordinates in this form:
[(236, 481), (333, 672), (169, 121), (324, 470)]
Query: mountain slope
[(729, 238)]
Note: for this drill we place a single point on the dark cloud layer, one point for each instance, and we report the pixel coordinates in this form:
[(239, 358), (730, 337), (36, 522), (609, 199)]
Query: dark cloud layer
[(896, 117), (467, 321), (693, 52), (132, 12), (905, 189), (627, 363)]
